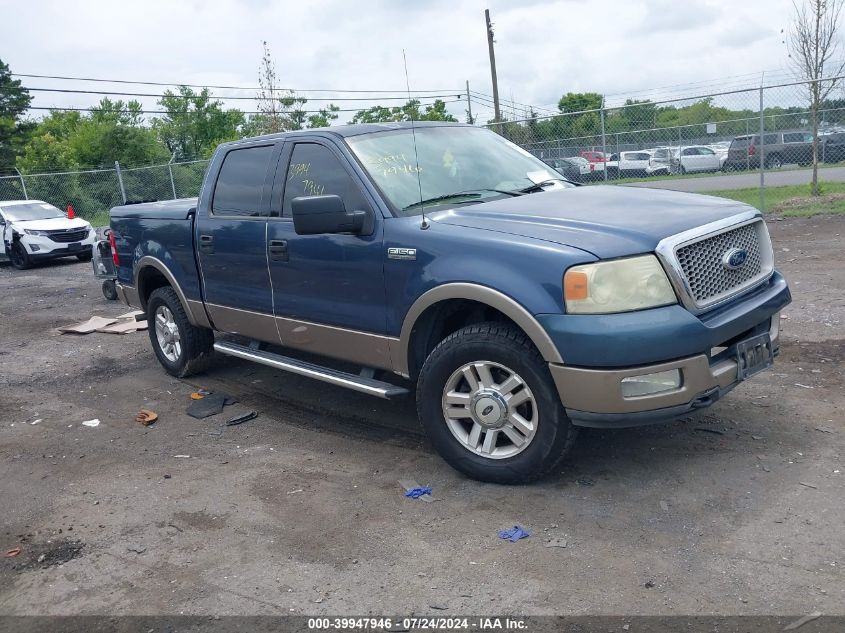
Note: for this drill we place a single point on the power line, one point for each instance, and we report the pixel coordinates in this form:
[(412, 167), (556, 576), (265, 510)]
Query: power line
[(74, 109), (149, 94), (160, 83)]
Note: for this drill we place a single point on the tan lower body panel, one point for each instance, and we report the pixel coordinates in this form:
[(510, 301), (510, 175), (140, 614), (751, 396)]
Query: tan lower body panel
[(600, 390), (361, 348)]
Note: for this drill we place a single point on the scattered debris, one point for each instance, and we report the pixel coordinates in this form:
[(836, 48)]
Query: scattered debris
[(802, 621), (416, 493), (756, 437), (294, 492), (146, 417), (208, 405), (709, 430), (123, 324), (585, 481), (649, 584), (242, 418), (199, 394), (411, 484), (438, 607), (138, 549), (557, 542), (514, 534), (182, 456), (821, 429), (13, 552), (803, 483), (123, 327), (664, 506), (798, 384), (91, 423), (36, 421)]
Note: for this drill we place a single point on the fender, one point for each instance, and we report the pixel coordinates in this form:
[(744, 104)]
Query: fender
[(483, 294), (195, 310)]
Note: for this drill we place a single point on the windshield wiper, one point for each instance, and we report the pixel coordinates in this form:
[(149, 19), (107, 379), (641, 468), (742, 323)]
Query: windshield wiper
[(538, 186), (470, 193)]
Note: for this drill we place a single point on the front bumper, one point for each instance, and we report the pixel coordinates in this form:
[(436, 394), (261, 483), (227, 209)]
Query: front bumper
[(594, 397), (42, 247)]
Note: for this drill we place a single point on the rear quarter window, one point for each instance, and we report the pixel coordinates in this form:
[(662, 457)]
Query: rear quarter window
[(240, 184)]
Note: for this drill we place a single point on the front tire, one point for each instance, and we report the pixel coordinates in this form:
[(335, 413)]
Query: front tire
[(19, 257), (181, 348), (490, 407)]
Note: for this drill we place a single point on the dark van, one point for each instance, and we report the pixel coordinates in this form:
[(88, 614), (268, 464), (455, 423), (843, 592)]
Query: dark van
[(779, 148)]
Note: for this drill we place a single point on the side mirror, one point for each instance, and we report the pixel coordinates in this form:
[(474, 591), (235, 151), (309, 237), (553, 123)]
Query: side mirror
[(313, 215)]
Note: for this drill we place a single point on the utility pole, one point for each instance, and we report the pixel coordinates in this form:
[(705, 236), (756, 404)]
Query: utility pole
[(469, 105), (496, 110)]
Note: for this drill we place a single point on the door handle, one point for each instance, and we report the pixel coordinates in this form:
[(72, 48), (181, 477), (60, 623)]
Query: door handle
[(206, 244), (279, 250)]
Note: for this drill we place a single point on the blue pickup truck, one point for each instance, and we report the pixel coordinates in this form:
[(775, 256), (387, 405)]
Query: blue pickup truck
[(445, 260)]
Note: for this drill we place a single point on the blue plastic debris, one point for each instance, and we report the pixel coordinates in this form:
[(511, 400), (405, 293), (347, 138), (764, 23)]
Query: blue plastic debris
[(514, 534), (416, 493)]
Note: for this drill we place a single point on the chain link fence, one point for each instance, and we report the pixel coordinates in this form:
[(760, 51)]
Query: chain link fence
[(684, 137), (92, 193)]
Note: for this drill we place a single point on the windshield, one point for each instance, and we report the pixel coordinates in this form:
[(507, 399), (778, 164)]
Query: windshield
[(31, 211), (449, 161)]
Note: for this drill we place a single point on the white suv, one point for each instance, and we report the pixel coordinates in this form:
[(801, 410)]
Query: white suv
[(33, 230)]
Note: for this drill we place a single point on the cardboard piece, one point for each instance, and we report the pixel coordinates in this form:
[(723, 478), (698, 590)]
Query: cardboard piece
[(88, 326), (124, 327)]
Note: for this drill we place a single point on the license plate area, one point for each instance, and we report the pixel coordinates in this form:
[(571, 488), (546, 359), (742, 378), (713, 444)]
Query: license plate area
[(754, 355)]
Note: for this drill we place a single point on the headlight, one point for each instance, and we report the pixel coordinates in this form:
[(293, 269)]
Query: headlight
[(621, 285), (32, 232)]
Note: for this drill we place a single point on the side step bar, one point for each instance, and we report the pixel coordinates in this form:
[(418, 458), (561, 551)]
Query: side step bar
[(332, 376)]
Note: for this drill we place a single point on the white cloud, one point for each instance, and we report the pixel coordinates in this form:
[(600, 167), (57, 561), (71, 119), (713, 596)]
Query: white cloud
[(543, 49)]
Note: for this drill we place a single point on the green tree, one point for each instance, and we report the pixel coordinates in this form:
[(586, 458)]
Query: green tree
[(195, 124), (14, 101), (579, 101), (410, 111), (324, 116)]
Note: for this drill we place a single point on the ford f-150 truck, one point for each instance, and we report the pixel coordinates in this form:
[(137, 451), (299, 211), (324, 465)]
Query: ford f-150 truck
[(445, 260)]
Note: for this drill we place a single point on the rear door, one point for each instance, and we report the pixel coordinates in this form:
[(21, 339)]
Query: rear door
[(231, 240), (329, 294), (708, 159)]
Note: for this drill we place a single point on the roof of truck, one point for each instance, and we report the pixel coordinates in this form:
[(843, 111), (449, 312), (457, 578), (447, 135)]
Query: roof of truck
[(363, 128)]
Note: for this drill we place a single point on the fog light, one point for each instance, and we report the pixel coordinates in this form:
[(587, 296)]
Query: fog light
[(648, 384), (34, 247)]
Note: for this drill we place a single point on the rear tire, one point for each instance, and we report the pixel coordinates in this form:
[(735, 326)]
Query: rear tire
[(181, 348), (490, 407)]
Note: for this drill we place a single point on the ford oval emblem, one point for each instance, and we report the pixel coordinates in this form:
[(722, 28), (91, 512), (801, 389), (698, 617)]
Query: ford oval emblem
[(735, 258)]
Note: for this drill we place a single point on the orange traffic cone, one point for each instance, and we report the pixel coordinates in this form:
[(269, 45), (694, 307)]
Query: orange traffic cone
[(70, 213)]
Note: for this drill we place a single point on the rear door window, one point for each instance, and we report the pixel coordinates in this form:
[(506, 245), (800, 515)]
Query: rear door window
[(793, 137), (240, 184), (314, 170)]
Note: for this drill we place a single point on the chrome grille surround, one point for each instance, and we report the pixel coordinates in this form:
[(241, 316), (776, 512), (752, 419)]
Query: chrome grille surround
[(693, 260)]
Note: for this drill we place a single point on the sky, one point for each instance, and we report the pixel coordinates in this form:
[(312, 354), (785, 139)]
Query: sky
[(620, 48)]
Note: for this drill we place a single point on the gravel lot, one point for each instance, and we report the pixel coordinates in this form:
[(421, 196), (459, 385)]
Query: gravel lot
[(736, 510)]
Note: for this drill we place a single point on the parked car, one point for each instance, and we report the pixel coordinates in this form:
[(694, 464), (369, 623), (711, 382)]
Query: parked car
[(832, 148), (779, 148), (34, 231), (593, 156), (575, 169), (516, 306), (694, 158), (659, 162), (627, 164)]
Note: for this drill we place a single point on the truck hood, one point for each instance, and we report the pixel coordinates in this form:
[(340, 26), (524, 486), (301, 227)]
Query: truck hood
[(607, 221), (167, 210), (51, 224)]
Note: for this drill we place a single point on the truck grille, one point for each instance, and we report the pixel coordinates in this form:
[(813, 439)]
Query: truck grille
[(702, 263), (699, 266), (68, 235)]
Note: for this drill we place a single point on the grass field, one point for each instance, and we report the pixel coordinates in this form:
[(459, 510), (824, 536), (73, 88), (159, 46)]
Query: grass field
[(792, 200)]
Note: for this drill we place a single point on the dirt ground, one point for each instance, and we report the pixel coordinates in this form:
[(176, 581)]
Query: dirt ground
[(736, 510)]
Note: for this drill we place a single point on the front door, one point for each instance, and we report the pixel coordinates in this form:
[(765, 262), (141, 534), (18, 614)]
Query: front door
[(329, 295), (231, 233)]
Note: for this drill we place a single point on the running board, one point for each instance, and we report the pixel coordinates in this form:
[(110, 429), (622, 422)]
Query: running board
[(332, 376)]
